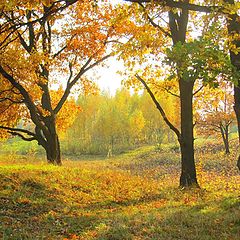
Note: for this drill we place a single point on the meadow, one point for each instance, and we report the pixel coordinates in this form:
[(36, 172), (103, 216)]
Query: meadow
[(134, 195)]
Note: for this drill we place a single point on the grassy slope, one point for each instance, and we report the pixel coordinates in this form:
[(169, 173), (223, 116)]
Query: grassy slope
[(133, 196)]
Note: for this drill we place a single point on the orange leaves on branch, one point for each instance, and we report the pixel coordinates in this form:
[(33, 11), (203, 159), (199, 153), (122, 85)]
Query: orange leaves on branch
[(68, 113), (10, 111), (214, 108), (28, 4), (89, 29)]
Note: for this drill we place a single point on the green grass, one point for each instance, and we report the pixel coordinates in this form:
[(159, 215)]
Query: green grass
[(131, 196), (17, 146)]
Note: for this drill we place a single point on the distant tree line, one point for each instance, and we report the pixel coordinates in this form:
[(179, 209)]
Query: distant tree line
[(111, 124)]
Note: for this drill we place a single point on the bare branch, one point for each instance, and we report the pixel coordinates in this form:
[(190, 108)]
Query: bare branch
[(159, 107), (11, 100), (183, 5), (22, 136), (59, 52), (71, 73), (98, 62), (18, 130), (166, 33), (84, 69), (197, 91), (173, 94)]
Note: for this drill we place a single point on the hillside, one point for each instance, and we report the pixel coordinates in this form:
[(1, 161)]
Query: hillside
[(130, 196)]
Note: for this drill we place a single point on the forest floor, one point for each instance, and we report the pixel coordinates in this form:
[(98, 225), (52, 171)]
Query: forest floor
[(131, 196)]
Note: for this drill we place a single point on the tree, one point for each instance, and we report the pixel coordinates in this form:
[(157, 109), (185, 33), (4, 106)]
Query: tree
[(188, 62), (229, 9), (137, 123), (43, 42), (215, 112), (233, 26), (176, 31)]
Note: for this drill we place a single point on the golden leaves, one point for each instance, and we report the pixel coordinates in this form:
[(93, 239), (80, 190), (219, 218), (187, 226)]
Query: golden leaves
[(68, 113), (10, 111), (27, 4), (214, 108)]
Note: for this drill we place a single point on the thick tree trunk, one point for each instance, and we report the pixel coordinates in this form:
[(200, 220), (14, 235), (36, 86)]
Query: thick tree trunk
[(233, 28), (188, 174), (53, 150), (52, 144), (238, 163), (237, 105), (49, 141), (178, 25)]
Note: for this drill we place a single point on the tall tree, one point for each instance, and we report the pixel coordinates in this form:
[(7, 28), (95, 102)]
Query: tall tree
[(49, 42), (188, 62), (176, 31), (229, 9), (233, 25)]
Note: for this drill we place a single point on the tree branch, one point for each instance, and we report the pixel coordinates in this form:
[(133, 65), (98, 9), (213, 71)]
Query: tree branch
[(51, 10), (11, 100), (197, 91), (166, 33), (84, 69), (18, 130), (173, 94), (182, 5), (27, 100), (159, 107), (21, 136)]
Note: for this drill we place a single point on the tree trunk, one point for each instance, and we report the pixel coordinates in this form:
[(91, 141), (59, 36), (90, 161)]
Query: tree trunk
[(53, 150), (52, 144), (227, 149), (224, 133), (233, 28), (178, 25), (238, 163), (188, 174), (237, 106)]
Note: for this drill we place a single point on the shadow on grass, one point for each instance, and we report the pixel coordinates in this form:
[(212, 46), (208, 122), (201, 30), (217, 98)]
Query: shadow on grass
[(23, 205), (200, 222), (29, 209)]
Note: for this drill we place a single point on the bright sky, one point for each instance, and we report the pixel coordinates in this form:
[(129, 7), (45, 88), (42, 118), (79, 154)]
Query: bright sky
[(109, 79)]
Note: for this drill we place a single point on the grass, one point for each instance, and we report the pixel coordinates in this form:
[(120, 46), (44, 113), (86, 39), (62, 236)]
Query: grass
[(131, 196)]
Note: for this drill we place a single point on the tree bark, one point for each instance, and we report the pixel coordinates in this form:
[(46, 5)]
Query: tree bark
[(233, 28), (225, 138), (49, 141), (188, 172), (178, 25), (52, 146), (238, 163), (53, 150)]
